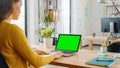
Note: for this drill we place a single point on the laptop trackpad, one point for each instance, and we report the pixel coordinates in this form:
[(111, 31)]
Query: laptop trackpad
[(65, 53)]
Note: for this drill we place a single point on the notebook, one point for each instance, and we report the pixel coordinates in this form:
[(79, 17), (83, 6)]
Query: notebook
[(106, 62), (68, 44)]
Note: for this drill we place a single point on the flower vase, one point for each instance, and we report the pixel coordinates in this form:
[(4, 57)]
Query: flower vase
[(103, 49), (47, 42), (103, 52)]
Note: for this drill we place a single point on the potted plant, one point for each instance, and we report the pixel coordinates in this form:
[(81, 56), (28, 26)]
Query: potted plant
[(46, 32), (103, 48), (49, 18), (47, 28)]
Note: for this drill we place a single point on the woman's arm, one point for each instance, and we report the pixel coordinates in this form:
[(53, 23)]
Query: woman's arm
[(22, 46)]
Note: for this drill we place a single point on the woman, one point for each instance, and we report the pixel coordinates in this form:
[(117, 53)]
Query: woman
[(13, 44)]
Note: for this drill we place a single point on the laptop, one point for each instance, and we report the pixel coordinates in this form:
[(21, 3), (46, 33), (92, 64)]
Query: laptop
[(68, 44)]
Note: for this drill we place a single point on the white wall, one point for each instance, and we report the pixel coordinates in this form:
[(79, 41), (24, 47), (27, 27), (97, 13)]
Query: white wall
[(79, 21), (86, 16), (96, 13)]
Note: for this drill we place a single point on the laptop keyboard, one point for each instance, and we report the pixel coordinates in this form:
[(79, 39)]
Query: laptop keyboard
[(49, 52), (68, 52)]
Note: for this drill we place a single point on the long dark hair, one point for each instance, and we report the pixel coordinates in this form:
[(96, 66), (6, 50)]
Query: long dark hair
[(6, 8)]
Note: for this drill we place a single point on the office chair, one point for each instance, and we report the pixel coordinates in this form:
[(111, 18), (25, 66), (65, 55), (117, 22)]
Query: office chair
[(3, 63), (114, 47)]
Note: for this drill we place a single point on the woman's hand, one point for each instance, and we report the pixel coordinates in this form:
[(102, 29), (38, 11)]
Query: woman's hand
[(40, 52), (57, 54)]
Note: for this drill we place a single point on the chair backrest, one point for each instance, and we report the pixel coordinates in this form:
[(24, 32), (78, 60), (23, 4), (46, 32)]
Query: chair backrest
[(3, 63), (114, 47)]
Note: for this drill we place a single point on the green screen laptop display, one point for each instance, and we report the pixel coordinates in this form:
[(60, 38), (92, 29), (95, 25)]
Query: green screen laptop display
[(68, 42)]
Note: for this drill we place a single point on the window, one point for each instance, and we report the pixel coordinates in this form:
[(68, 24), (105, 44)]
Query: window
[(65, 15)]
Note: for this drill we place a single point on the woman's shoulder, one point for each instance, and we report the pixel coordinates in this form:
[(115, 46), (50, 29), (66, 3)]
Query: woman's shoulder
[(14, 26), (10, 25)]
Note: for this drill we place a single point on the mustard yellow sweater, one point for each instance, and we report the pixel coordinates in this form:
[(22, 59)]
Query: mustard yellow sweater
[(16, 49)]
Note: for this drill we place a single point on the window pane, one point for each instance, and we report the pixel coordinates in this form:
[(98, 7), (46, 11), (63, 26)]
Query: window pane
[(65, 15)]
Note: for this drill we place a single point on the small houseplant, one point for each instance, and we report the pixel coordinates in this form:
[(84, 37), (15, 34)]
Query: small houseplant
[(47, 26), (46, 32), (103, 47)]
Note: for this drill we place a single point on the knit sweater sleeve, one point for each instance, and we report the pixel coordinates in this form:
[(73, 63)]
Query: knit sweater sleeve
[(22, 46)]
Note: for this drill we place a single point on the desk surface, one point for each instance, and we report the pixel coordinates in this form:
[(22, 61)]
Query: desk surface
[(78, 60)]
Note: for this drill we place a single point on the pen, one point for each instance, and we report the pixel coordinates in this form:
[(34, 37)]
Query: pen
[(104, 60)]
